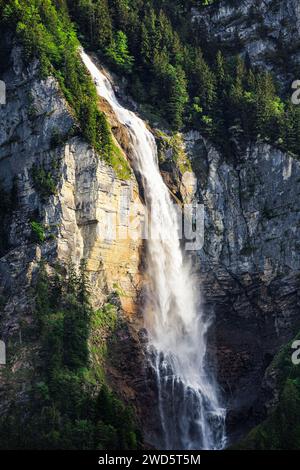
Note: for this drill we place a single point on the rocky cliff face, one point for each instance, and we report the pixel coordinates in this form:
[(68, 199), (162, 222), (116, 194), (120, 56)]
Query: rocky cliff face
[(82, 211), (89, 213), (86, 215), (250, 261), (267, 32), (248, 268), (249, 264)]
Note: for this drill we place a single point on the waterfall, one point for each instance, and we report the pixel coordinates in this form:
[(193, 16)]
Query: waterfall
[(190, 413)]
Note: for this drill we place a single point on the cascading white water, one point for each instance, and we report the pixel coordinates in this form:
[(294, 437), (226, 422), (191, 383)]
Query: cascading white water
[(190, 413)]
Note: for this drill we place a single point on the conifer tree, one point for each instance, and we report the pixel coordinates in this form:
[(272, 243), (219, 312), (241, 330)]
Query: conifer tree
[(177, 95)]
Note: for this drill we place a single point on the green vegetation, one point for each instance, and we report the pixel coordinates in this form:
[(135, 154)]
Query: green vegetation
[(186, 82), (181, 77), (171, 68), (117, 52), (57, 138), (38, 232), (70, 405), (45, 31), (281, 430), (172, 71), (174, 146), (119, 163), (43, 180)]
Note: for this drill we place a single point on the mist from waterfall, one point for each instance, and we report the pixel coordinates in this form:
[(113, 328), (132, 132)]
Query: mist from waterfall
[(190, 413)]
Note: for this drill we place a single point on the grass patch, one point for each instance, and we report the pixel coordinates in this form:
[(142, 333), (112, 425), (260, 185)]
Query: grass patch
[(119, 163)]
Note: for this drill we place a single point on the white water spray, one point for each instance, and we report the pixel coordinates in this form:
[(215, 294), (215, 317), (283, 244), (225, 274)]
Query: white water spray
[(191, 417)]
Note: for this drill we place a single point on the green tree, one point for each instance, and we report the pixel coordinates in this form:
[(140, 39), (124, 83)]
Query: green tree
[(202, 81), (268, 106), (117, 52), (176, 85)]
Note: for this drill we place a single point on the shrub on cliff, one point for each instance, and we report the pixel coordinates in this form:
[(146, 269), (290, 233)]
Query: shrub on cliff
[(184, 78), (69, 405), (281, 430), (45, 31)]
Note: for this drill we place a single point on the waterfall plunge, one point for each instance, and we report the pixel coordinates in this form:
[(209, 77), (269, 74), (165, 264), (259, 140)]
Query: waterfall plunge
[(191, 417)]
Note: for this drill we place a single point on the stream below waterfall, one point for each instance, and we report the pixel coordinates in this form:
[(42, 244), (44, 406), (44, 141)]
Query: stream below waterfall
[(188, 401)]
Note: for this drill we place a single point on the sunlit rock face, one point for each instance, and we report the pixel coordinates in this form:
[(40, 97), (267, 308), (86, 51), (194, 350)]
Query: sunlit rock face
[(96, 210), (88, 216), (90, 212)]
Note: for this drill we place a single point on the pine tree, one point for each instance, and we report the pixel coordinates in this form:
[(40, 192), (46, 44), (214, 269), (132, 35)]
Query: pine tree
[(103, 25), (149, 40), (220, 69), (266, 106), (290, 129), (118, 52), (237, 89), (83, 284), (202, 81), (177, 95)]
